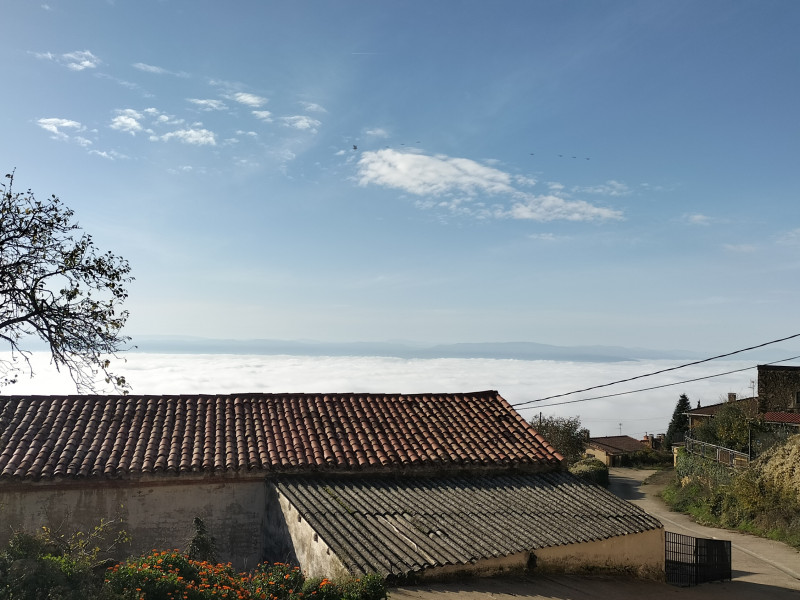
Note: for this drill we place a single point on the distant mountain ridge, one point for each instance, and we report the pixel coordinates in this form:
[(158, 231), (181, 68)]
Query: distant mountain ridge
[(491, 350)]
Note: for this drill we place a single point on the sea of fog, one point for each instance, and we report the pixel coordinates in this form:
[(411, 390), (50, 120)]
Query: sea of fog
[(518, 381)]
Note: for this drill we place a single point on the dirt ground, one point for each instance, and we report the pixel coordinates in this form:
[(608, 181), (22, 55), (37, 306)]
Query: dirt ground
[(761, 568)]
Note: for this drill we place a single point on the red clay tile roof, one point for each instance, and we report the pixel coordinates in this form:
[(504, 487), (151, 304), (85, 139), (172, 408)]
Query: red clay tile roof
[(617, 444), (53, 437), (782, 417), (712, 409)]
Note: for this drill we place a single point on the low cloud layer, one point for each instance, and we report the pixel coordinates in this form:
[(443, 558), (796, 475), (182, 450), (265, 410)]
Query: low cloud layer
[(517, 381)]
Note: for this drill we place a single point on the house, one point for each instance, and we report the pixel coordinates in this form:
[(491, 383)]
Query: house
[(777, 402), (614, 450), (701, 414), (402, 484)]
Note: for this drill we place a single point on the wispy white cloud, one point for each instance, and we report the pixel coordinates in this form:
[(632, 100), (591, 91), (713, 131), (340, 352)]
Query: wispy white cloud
[(150, 68), (430, 175), (194, 137), (302, 122), (524, 180), (56, 127), (790, 238), (698, 219), (543, 237), (609, 188), (313, 107), (249, 99), (158, 70), (207, 104), (107, 154), (75, 61), (377, 132), (740, 248), (78, 61), (459, 180), (555, 208), (127, 121), (263, 115)]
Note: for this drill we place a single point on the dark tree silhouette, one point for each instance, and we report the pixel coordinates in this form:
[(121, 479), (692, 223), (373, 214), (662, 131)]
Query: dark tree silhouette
[(55, 286), (679, 423)]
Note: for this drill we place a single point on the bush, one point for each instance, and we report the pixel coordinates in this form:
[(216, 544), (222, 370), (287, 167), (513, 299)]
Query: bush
[(278, 581), (171, 575), (760, 499), (591, 470), (647, 458), (52, 565), (174, 576)]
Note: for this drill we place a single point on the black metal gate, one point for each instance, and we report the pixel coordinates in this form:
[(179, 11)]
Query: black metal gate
[(690, 560)]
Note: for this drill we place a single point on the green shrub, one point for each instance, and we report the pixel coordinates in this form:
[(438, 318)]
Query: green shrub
[(647, 458), (591, 470), (202, 546), (278, 581), (48, 564), (174, 576), (759, 499)]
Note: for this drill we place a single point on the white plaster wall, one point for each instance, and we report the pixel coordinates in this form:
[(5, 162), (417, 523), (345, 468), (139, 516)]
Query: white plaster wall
[(638, 550), (157, 515), (314, 556)]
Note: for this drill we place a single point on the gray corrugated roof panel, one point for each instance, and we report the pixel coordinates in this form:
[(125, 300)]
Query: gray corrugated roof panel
[(405, 524)]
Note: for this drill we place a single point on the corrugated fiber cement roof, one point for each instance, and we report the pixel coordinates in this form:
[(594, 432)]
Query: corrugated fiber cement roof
[(397, 526)]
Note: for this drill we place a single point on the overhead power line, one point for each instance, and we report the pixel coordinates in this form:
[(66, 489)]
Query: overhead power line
[(655, 387), (683, 366)]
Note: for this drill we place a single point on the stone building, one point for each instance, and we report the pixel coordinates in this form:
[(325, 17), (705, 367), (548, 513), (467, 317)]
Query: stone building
[(422, 485), (778, 389)]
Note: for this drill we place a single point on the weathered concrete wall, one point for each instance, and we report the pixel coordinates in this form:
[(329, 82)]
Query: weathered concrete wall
[(313, 555), (639, 550), (157, 515), (778, 388), (489, 567)]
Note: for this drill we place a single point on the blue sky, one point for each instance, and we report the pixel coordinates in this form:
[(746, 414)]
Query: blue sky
[(587, 172)]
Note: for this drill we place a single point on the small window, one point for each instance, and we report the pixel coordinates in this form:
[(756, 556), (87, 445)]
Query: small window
[(796, 402)]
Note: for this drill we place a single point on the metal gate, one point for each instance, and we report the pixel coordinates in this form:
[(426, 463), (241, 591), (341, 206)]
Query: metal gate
[(690, 560)]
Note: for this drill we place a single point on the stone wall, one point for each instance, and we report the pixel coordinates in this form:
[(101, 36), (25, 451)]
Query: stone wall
[(778, 388), (156, 515)]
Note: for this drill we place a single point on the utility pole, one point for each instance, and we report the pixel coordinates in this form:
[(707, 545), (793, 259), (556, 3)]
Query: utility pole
[(620, 428)]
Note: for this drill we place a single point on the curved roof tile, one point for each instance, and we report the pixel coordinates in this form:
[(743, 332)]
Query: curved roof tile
[(45, 437)]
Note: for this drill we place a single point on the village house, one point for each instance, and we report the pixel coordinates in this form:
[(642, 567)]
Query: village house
[(614, 450), (423, 485), (777, 402)]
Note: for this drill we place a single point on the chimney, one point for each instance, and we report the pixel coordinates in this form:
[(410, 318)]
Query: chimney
[(731, 397)]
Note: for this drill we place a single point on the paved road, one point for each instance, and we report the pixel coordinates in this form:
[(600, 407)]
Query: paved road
[(755, 560), (761, 568)]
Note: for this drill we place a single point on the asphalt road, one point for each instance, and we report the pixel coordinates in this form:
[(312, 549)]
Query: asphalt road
[(761, 568)]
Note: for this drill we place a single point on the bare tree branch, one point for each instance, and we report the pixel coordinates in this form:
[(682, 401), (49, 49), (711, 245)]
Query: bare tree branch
[(55, 285)]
